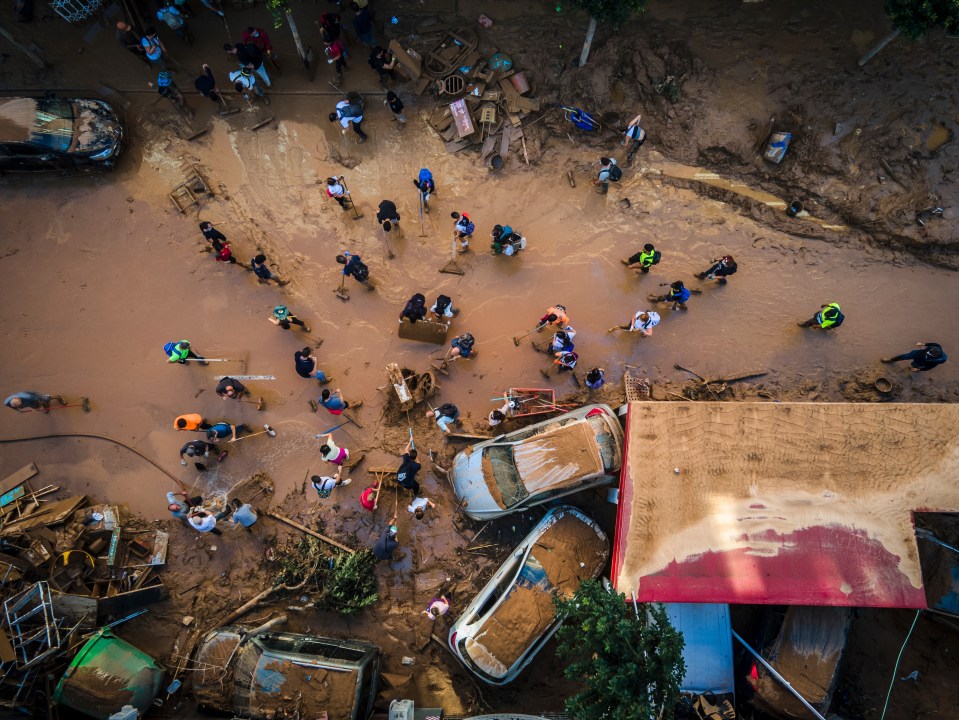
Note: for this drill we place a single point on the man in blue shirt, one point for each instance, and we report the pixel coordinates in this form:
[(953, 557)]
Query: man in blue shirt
[(28, 400), (931, 355)]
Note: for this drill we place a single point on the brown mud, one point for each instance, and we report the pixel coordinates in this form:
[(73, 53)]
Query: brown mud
[(101, 271)]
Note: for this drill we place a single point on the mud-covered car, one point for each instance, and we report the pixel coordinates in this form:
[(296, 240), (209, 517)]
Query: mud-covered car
[(541, 462), (511, 618), (262, 674), (58, 134)]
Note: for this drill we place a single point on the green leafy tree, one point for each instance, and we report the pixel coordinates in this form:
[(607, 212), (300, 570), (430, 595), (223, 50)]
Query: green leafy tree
[(632, 667), (612, 12), (350, 584), (917, 17)]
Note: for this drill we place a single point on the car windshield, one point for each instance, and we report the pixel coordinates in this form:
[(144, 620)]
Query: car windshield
[(53, 126), (605, 440), (533, 575), (504, 472)]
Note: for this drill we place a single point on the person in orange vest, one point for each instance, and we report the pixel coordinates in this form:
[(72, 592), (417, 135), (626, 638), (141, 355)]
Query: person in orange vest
[(555, 315), (192, 422)]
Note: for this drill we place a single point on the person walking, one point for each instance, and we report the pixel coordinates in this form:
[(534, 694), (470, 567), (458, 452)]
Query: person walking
[(419, 506), (180, 352), (244, 83), (334, 402), (205, 84), (130, 41), (387, 215), (721, 268), (443, 308), (350, 114), (463, 229), (153, 48), (387, 543), (285, 319), (167, 87), (396, 106), (363, 25), (415, 309), (425, 183), (230, 389), (324, 484), (194, 449), (644, 259), (355, 267), (678, 295), (609, 172), (307, 366), (828, 317), (635, 137), (330, 452), (929, 356), (445, 415), (406, 474), (336, 190), (595, 378), (210, 233), (250, 57), (191, 422), (175, 20), (335, 56), (28, 400)]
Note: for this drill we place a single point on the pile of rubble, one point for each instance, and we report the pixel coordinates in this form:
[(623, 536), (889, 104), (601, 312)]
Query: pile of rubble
[(482, 99), (69, 570)]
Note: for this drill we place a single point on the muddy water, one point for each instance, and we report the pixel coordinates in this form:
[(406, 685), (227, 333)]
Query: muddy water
[(102, 272)]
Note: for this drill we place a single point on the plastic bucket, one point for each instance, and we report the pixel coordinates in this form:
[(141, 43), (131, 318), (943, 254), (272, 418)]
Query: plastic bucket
[(495, 162), (519, 82), (795, 207)]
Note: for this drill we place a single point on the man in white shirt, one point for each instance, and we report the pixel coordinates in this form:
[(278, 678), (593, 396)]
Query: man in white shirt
[(347, 113), (643, 322), (419, 505)]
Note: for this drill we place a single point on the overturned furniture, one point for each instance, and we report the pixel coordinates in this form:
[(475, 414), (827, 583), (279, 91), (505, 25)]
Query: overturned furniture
[(411, 388), (428, 330)]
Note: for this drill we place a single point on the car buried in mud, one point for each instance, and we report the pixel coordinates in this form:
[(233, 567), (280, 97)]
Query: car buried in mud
[(540, 463), (262, 674), (513, 616), (58, 134)]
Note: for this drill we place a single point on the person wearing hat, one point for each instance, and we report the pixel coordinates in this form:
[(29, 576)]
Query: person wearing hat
[(387, 543), (931, 355), (721, 268), (250, 57), (195, 449), (180, 352), (462, 230), (27, 400), (415, 308), (387, 216), (284, 318), (245, 83), (167, 88)]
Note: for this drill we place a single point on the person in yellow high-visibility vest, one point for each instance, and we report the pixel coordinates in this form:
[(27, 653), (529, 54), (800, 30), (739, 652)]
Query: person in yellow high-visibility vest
[(829, 316)]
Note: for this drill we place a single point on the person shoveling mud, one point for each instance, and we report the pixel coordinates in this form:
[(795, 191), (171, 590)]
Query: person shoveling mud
[(677, 296), (643, 322), (462, 346), (28, 400)]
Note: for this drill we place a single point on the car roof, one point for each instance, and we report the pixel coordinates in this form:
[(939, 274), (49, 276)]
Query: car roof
[(553, 459), (527, 611), (17, 118)]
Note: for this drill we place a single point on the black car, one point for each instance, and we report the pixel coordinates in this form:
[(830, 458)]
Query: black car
[(38, 134)]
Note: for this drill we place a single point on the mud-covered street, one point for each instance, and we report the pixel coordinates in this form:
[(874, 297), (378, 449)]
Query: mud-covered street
[(101, 271)]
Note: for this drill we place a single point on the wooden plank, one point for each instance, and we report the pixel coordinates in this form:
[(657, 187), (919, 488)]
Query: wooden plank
[(504, 145), (18, 478), (414, 66), (51, 514), (421, 86), (488, 146), (455, 146), (462, 118), (516, 102), (303, 528)]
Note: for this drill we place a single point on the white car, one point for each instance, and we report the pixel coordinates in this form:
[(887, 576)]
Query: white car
[(541, 462), (511, 618)]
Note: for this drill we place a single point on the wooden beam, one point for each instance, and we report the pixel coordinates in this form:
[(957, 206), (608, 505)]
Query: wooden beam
[(303, 528)]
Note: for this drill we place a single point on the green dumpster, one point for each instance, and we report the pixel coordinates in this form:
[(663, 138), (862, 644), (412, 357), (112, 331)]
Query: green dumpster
[(107, 674)]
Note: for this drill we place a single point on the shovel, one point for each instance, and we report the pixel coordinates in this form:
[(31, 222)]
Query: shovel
[(258, 402), (84, 403), (356, 213), (318, 341), (227, 110), (267, 430), (341, 292), (444, 363)]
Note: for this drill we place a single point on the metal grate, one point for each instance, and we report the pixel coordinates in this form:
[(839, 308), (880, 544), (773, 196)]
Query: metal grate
[(637, 388), (75, 10)]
